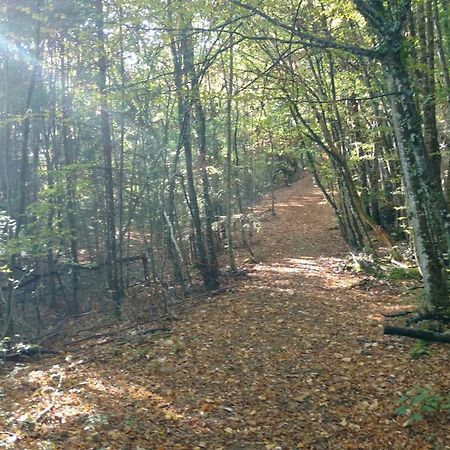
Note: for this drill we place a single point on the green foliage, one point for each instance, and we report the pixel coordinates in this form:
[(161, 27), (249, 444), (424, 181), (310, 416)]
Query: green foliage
[(420, 348), (7, 225), (420, 403), (400, 273)]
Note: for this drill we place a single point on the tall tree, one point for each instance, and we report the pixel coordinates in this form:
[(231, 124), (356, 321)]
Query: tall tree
[(185, 83), (111, 239)]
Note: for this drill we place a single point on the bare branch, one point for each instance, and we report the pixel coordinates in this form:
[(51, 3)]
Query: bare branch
[(305, 39)]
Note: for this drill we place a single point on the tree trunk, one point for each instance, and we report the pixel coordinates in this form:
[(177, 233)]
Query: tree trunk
[(188, 54), (272, 175), (111, 239), (6, 136), (179, 53), (425, 30), (426, 202), (70, 188), (228, 171), (443, 52), (26, 128)]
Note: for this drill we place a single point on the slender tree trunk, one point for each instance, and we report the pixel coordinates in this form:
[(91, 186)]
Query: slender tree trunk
[(67, 143), (237, 164), (200, 120), (111, 240), (443, 52), (228, 171), (425, 29), (26, 128), (121, 187), (181, 60), (6, 135), (331, 202), (272, 174)]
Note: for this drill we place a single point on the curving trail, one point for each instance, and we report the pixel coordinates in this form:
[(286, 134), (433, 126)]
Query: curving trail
[(291, 357)]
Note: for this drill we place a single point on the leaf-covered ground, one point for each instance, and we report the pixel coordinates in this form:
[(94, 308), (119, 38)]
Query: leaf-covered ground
[(291, 356)]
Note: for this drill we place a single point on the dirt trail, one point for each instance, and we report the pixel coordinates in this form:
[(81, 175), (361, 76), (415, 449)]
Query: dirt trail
[(292, 356)]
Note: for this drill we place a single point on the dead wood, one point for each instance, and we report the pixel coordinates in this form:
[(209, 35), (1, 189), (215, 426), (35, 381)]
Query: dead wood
[(116, 335), (27, 352), (399, 314), (417, 334)]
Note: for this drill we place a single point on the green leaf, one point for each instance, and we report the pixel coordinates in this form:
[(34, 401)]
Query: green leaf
[(402, 410)]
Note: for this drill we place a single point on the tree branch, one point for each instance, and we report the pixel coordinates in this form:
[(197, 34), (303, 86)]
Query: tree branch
[(305, 39)]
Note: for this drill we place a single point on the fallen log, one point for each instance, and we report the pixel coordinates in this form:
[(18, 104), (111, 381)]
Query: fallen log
[(418, 334), (27, 352)]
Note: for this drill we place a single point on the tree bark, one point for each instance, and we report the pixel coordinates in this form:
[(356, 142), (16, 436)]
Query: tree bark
[(426, 202), (228, 170), (111, 240), (6, 136), (70, 187), (425, 30), (26, 128)]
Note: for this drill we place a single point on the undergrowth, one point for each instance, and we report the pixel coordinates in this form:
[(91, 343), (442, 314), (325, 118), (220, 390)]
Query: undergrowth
[(422, 402), (419, 349)]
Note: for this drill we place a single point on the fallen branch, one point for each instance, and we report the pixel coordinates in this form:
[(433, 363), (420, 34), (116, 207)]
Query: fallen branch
[(136, 338), (39, 416), (398, 314), (29, 352), (142, 337), (87, 338), (116, 336), (98, 335), (417, 334)]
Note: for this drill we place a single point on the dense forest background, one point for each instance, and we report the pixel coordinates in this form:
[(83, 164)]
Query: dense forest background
[(136, 135)]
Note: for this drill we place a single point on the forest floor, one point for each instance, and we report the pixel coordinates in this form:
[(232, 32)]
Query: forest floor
[(292, 355)]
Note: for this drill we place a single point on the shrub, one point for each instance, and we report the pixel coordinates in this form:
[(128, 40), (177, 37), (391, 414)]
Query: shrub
[(422, 401)]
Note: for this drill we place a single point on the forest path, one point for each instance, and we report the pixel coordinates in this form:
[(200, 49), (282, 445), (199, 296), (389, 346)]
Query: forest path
[(291, 356)]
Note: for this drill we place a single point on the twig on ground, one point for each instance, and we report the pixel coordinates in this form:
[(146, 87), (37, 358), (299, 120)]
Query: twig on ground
[(52, 403), (116, 337), (165, 332), (87, 338)]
